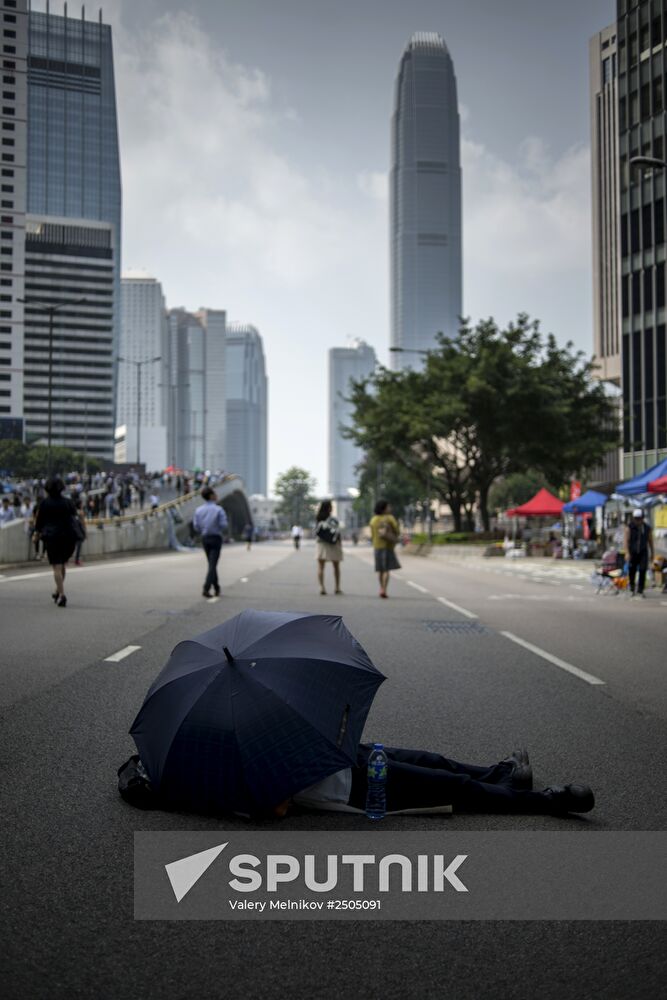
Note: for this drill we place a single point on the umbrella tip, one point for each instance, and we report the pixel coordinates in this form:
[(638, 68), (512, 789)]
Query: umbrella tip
[(230, 658)]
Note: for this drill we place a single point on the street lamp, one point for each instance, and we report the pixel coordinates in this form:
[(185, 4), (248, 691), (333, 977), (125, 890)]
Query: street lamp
[(51, 308), (407, 350), (648, 162), (138, 365)]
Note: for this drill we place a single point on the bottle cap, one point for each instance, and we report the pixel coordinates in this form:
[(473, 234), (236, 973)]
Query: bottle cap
[(378, 746)]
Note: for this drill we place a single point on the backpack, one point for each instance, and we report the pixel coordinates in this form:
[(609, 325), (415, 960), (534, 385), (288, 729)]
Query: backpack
[(386, 532), (328, 531)]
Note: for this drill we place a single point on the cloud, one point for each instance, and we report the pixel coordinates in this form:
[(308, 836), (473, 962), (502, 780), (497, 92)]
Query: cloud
[(374, 184), (527, 235)]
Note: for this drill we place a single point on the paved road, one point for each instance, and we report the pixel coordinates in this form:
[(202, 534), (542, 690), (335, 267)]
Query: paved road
[(455, 682)]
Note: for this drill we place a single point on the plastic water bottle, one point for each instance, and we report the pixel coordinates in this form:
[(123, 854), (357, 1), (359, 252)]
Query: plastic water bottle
[(376, 795)]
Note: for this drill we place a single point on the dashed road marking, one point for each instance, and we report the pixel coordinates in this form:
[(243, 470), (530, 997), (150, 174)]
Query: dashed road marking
[(457, 607), (417, 586), (121, 654), (557, 662), (244, 579)]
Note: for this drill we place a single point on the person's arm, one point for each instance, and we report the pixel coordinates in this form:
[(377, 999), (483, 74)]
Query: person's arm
[(649, 542), (222, 519), (195, 519)]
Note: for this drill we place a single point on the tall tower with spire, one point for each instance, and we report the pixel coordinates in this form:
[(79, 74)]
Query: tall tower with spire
[(425, 201)]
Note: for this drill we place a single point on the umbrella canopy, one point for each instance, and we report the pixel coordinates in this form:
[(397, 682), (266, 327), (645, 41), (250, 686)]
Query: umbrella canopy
[(640, 483), (256, 709), (658, 485), (587, 503), (543, 504)]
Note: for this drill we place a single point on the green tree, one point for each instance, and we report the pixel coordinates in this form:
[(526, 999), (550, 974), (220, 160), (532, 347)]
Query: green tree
[(387, 480), (517, 488), (488, 403), (32, 460), (295, 490)]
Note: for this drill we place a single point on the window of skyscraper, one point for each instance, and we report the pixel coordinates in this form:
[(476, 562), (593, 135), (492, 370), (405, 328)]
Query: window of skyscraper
[(606, 71)]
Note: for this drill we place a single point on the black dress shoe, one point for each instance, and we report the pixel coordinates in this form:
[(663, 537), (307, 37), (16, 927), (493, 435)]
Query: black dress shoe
[(205, 593), (569, 799), (521, 773), (217, 591), (62, 601)]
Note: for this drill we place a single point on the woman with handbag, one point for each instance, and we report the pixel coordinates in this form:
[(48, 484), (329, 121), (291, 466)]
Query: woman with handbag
[(384, 535), (56, 523), (329, 545)]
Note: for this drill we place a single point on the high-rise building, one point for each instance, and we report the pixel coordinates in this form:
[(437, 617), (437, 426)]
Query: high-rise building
[(641, 34), (605, 203), (197, 410), (142, 379), (74, 220), (12, 215), (247, 391), (603, 60), (425, 201), (345, 363)]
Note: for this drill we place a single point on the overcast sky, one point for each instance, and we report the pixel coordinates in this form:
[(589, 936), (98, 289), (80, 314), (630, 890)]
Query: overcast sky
[(255, 149)]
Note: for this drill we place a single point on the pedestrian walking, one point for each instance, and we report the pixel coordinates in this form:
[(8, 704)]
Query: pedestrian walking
[(329, 545), (7, 512), (638, 549), (297, 532), (384, 536), (81, 534), (55, 525), (210, 521), (247, 536)]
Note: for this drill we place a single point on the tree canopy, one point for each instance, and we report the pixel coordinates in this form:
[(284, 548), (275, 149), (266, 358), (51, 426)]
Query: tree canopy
[(295, 490), (19, 459), (487, 404)]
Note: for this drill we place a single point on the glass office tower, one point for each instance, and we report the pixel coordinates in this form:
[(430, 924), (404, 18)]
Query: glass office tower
[(247, 417), (74, 197), (641, 34), (425, 201)]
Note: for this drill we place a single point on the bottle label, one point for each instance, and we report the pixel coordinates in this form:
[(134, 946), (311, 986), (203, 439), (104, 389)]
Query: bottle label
[(377, 771)]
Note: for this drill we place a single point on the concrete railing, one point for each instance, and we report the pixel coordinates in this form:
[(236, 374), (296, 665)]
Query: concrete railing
[(146, 530)]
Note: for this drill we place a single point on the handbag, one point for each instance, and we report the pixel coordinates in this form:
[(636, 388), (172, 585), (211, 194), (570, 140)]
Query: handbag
[(77, 528), (386, 532)]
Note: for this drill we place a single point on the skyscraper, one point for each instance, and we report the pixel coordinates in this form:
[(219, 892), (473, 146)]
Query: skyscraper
[(247, 390), (197, 411), (345, 363), (73, 224), (13, 205), (642, 29), (605, 202), (425, 200), (142, 380)]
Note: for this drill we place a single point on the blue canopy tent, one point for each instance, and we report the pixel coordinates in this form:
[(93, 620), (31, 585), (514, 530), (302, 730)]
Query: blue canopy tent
[(638, 485), (586, 503)]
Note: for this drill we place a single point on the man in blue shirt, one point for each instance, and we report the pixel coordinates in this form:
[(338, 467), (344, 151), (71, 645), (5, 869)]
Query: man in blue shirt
[(210, 521)]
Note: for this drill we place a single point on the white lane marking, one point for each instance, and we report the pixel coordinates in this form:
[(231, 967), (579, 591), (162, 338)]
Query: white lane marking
[(121, 654), (577, 586), (244, 579), (457, 607), (422, 590), (212, 600), (102, 564), (557, 662)]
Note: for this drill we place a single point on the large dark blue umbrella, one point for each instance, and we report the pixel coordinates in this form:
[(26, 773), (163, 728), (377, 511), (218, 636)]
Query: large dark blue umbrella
[(256, 709)]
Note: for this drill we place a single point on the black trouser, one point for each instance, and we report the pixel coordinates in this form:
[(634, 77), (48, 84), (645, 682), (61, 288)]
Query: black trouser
[(212, 545), (417, 779), (638, 561)]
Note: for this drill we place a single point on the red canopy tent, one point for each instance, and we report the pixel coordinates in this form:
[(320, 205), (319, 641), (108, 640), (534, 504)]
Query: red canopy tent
[(543, 504), (658, 485)]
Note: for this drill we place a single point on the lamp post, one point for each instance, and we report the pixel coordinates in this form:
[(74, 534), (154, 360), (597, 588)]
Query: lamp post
[(138, 365), (429, 526), (51, 308), (648, 162)]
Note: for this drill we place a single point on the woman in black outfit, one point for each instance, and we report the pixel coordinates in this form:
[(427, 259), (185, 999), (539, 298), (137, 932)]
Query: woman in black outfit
[(54, 525)]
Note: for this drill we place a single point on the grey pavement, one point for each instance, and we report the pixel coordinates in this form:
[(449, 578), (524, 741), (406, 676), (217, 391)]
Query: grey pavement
[(455, 683)]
